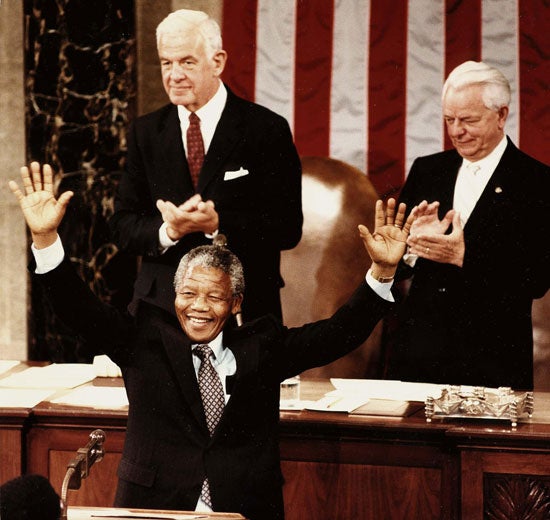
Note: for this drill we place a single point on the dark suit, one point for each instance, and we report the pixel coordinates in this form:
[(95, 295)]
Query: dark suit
[(472, 325), (168, 450), (260, 213)]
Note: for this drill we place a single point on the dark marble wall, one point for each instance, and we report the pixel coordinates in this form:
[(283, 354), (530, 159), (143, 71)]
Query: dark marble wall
[(80, 82)]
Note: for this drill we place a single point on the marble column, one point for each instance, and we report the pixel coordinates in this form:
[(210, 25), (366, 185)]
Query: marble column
[(80, 96), (13, 238)]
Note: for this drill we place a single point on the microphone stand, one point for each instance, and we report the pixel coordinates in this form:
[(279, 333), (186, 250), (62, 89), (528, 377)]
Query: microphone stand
[(79, 467)]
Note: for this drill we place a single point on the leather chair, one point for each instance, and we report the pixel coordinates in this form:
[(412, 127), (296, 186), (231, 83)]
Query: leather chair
[(541, 339), (322, 271)]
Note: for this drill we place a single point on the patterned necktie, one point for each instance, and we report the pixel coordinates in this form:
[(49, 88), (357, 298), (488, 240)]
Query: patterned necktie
[(195, 147), (213, 401)]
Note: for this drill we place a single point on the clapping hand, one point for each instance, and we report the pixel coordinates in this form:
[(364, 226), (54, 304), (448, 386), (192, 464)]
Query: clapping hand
[(42, 211), (428, 238), (387, 244), (191, 216), (427, 220)]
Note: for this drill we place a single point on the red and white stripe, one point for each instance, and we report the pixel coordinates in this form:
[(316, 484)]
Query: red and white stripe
[(360, 80)]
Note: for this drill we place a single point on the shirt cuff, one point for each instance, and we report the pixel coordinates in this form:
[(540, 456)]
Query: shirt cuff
[(382, 289), (164, 240), (410, 259), (213, 235), (48, 258)]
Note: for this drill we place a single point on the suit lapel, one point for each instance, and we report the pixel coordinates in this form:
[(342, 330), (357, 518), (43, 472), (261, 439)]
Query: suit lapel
[(244, 346), (449, 175), (228, 133), (172, 157), (494, 197), (178, 348)]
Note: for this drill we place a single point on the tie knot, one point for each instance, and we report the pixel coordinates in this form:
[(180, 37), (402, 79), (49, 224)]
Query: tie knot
[(474, 168), (204, 352), (194, 118)]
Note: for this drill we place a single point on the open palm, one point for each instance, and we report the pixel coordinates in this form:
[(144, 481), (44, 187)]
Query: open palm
[(42, 211), (387, 244)]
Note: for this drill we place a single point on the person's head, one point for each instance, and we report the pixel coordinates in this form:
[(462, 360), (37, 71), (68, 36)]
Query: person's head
[(476, 99), (29, 497), (209, 285), (189, 45)]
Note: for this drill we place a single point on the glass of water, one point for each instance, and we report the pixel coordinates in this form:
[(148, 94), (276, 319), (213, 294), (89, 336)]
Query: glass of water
[(290, 392)]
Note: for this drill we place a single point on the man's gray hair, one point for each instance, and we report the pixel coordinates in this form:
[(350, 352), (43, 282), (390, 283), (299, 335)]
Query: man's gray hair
[(212, 257), (496, 88), (186, 22)]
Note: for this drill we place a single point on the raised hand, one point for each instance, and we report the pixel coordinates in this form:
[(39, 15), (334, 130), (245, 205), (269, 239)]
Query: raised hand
[(42, 211), (387, 244), (427, 220)]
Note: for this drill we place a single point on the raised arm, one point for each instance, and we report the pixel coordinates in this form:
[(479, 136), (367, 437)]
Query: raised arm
[(387, 244), (42, 211)]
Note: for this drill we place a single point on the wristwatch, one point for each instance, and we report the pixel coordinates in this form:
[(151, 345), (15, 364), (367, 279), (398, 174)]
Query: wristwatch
[(382, 279)]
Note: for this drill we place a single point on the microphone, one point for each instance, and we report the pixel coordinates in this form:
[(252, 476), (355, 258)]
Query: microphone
[(79, 467)]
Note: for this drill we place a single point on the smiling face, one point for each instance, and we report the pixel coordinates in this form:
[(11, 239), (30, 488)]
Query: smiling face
[(474, 129), (189, 76), (204, 302)]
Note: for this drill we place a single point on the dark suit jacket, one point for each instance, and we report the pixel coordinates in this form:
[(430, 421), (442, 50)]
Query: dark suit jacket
[(472, 325), (260, 213), (168, 449)]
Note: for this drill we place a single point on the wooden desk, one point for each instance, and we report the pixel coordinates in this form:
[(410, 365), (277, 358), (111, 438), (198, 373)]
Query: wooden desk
[(13, 426), (344, 466), (13, 422)]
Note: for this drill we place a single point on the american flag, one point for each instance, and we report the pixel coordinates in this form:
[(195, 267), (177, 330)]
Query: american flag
[(360, 80)]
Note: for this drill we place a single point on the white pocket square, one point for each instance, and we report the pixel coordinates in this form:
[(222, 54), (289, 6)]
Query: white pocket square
[(229, 176)]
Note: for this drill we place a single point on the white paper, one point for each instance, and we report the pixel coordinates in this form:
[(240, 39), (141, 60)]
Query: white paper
[(57, 375), (387, 389), (297, 405), (22, 397), (7, 364), (338, 401), (102, 397), (85, 513)]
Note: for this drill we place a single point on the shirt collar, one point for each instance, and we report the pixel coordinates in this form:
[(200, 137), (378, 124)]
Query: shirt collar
[(211, 111), (490, 162), (216, 345)]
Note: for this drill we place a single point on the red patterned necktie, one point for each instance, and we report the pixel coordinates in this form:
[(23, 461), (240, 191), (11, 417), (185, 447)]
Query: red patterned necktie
[(195, 147), (213, 401)]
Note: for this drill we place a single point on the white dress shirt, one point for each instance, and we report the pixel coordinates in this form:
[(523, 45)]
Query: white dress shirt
[(223, 361), (209, 115), (470, 182), (472, 179)]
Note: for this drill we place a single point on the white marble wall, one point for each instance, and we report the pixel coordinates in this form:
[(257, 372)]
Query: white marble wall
[(13, 238)]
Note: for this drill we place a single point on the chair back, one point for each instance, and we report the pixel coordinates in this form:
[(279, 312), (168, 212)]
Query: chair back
[(330, 261)]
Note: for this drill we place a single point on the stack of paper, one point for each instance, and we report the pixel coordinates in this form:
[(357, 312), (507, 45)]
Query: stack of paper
[(7, 364), (57, 376), (23, 397), (101, 397), (375, 397), (387, 389)]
